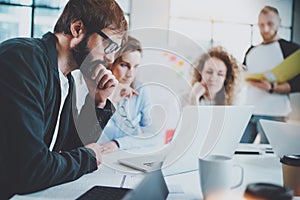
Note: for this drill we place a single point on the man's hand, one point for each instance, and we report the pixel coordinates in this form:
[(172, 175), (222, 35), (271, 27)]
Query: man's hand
[(109, 147), (282, 88), (101, 84), (98, 151), (121, 91), (261, 84)]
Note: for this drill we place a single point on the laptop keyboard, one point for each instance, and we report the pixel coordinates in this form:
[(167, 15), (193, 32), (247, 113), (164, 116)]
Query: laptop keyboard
[(104, 193)]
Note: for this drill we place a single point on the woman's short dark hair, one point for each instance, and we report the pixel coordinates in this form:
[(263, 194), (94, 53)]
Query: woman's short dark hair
[(95, 14), (267, 9)]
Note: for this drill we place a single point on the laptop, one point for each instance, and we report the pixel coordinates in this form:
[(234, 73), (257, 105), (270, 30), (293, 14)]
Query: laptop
[(226, 130), (143, 163), (283, 137), (219, 131), (153, 186), (203, 130)]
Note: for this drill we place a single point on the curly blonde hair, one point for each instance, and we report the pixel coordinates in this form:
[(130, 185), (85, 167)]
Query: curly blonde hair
[(226, 95)]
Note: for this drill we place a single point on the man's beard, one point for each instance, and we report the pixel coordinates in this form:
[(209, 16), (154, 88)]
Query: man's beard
[(83, 59), (79, 53), (270, 38)]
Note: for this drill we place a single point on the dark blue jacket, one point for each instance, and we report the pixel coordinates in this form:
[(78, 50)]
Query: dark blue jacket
[(29, 104)]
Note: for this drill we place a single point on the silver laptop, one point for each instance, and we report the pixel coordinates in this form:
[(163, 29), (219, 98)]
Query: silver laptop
[(226, 130), (203, 130), (283, 137), (146, 163), (219, 131)]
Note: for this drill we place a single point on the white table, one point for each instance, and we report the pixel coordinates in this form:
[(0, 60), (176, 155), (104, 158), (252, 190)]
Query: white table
[(257, 168)]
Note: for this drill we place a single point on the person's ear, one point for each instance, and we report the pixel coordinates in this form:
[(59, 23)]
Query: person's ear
[(77, 29)]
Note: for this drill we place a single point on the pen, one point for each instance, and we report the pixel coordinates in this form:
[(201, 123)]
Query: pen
[(123, 181), (247, 152)]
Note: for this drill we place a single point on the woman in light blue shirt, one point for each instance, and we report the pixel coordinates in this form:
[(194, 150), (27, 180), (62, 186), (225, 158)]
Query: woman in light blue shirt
[(128, 127)]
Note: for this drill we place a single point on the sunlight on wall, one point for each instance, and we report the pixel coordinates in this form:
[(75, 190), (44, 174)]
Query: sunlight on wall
[(232, 23)]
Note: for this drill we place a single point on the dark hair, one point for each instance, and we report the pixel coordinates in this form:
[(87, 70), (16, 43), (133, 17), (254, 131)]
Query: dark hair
[(130, 45), (225, 96), (95, 14), (267, 9)]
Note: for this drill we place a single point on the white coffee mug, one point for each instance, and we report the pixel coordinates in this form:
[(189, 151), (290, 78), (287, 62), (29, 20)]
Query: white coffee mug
[(216, 174)]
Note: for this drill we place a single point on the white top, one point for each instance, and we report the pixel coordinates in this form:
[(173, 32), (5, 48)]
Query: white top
[(261, 58), (64, 87)]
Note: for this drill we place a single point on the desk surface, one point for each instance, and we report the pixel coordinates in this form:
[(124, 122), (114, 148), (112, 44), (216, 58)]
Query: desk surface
[(257, 168)]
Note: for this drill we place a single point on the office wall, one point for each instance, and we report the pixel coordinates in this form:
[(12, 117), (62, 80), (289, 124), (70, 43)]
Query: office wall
[(154, 13), (207, 25)]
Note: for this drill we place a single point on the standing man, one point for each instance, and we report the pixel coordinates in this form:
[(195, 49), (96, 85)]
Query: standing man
[(39, 144), (270, 100)]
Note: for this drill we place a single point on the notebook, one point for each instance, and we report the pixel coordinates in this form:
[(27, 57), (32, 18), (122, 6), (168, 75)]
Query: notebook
[(284, 71), (203, 130), (283, 137), (143, 163), (153, 186)]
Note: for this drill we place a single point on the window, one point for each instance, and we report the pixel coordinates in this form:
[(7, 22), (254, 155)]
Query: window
[(12, 26), (33, 18), (126, 7)]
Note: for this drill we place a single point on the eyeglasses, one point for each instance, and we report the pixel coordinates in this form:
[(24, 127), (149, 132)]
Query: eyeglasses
[(123, 113), (112, 46)]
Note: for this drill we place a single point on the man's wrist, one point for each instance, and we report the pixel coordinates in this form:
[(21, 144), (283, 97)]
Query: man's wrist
[(91, 151), (271, 90), (101, 105), (116, 142), (105, 113)]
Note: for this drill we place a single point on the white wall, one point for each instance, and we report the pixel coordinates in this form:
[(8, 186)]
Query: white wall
[(153, 13)]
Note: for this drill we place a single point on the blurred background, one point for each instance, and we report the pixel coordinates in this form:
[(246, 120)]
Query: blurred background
[(230, 23)]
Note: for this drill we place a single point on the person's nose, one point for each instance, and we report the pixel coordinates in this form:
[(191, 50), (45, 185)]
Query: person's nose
[(130, 72), (213, 77), (265, 29)]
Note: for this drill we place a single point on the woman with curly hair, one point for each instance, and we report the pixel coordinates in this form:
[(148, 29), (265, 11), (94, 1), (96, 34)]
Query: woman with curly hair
[(214, 78)]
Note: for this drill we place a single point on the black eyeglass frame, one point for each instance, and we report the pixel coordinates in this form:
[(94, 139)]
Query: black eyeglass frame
[(112, 46)]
